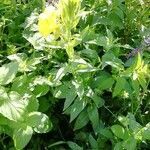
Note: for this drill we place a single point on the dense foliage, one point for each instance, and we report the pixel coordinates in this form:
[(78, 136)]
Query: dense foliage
[(74, 74)]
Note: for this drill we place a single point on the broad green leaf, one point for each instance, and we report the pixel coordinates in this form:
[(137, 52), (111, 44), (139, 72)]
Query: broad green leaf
[(120, 84), (99, 78), (76, 108), (94, 117), (13, 106), (39, 121), (104, 82), (82, 120), (119, 131), (74, 146), (8, 73), (129, 144), (22, 137)]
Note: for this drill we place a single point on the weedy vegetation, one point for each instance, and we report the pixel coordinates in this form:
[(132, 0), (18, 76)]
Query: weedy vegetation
[(74, 74)]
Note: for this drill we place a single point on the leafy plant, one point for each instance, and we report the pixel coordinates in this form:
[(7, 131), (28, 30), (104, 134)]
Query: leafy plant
[(87, 60)]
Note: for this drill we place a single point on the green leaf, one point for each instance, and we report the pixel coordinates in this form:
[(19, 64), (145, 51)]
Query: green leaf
[(40, 90), (22, 137), (94, 117), (12, 106), (118, 146), (120, 84), (70, 96), (61, 91), (33, 104), (136, 87), (21, 84), (106, 132), (60, 74), (76, 108), (8, 73), (112, 60), (119, 131), (39, 121), (99, 102), (133, 125), (146, 132), (129, 144), (81, 120), (79, 87), (104, 82), (142, 81), (93, 142), (74, 146), (79, 65)]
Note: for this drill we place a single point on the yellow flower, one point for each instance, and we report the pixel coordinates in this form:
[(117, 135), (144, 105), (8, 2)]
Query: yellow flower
[(48, 21)]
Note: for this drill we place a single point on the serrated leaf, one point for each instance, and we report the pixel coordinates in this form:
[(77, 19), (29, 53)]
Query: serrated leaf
[(82, 120), (8, 73), (22, 136), (39, 121)]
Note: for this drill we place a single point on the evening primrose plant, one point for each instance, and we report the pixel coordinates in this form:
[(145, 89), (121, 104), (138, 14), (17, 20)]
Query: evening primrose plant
[(76, 68)]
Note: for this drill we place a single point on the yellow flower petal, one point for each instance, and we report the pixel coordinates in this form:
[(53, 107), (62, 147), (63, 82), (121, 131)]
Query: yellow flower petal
[(47, 21)]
